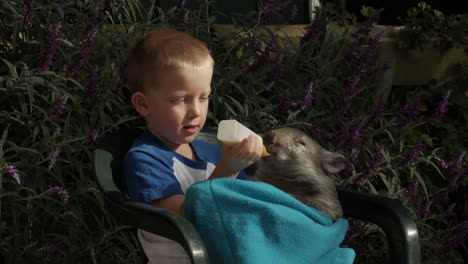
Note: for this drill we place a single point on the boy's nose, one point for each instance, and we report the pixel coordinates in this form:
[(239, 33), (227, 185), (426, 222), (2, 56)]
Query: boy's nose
[(195, 109)]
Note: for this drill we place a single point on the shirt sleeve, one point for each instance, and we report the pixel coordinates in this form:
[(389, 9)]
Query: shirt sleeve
[(148, 178)]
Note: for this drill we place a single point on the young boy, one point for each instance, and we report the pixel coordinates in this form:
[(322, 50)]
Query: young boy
[(169, 73)]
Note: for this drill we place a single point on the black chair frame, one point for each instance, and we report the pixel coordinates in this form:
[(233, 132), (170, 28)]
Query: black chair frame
[(389, 214)]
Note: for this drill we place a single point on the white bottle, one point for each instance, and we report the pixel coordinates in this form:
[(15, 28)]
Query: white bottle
[(232, 132)]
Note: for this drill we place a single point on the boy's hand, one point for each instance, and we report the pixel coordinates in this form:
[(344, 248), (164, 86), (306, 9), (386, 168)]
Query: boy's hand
[(236, 157)]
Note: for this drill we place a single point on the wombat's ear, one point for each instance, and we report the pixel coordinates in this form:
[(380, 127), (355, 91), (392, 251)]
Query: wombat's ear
[(333, 162)]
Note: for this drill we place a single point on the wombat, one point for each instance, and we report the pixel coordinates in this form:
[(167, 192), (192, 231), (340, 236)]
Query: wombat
[(299, 166)]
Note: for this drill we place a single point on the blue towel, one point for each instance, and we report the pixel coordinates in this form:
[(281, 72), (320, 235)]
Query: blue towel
[(243, 222)]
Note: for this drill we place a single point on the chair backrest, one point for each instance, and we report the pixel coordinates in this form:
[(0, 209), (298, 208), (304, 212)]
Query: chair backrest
[(118, 144)]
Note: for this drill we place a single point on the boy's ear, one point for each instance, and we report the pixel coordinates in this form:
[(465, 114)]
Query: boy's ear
[(139, 102)]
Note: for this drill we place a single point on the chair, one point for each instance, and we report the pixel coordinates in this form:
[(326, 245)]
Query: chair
[(389, 214)]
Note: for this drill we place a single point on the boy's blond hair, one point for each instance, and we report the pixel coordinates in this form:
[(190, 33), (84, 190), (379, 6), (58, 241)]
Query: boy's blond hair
[(159, 50)]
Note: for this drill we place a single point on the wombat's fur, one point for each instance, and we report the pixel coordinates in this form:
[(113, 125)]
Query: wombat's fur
[(298, 165)]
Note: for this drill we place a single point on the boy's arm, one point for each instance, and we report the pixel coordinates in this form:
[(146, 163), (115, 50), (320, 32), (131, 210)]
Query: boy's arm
[(173, 203), (233, 159)]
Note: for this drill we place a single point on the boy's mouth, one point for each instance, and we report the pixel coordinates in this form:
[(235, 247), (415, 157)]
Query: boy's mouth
[(191, 129)]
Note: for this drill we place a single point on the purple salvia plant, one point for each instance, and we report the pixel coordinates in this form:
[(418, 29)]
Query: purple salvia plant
[(255, 45), (449, 212), (321, 132), (53, 157), (173, 13), (90, 87), (59, 107), (455, 182), (186, 23), (59, 9), (359, 132), (456, 166), (275, 73), (293, 14), (413, 155), (377, 158), (264, 58), (355, 229), (314, 29), (308, 97), (27, 20), (412, 189), (59, 191), (49, 50), (409, 114), (340, 137), (94, 135), (442, 108), (350, 90), (285, 103), (352, 162), (50, 249), (425, 209), (271, 10), (90, 33), (456, 238), (442, 198), (14, 173)]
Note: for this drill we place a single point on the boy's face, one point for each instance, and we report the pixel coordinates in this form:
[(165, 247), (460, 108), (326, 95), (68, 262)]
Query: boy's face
[(176, 107)]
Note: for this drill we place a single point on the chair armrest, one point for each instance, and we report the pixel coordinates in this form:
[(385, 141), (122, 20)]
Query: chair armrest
[(390, 215), (144, 216), (160, 222)]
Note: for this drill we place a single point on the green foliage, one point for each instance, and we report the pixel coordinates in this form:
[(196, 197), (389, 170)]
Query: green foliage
[(425, 24), (325, 82)]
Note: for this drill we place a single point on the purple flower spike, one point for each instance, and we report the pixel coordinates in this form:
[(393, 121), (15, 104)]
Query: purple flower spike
[(14, 172), (59, 108), (49, 50), (425, 209), (94, 135), (275, 73), (308, 98), (412, 189), (455, 183), (449, 212), (85, 52), (186, 24), (352, 161), (284, 104), (59, 191), (413, 155), (27, 20), (377, 158), (51, 250), (315, 29), (409, 114), (442, 108), (53, 157)]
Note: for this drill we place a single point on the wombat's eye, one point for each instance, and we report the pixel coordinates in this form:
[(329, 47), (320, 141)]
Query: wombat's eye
[(300, 140)]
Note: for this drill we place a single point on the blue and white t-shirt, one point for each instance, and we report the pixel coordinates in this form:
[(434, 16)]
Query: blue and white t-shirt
[(151, 171)]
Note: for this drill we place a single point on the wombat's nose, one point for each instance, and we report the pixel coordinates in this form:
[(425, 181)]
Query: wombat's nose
[(268, 138)]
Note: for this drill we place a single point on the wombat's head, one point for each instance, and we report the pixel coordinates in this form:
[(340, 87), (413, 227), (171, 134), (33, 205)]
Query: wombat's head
[(292, 147)]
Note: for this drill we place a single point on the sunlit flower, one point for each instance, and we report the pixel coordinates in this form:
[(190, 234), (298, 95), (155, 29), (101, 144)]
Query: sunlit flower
[(14, 173), (53, 157)]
